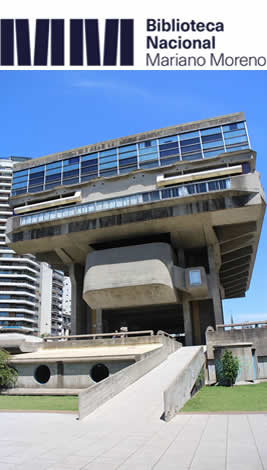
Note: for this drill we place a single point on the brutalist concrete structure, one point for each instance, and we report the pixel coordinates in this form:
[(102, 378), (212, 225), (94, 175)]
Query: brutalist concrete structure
[(154, 229), (247, 341)]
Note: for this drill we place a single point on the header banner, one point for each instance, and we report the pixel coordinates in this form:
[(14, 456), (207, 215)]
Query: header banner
[(116, 35)]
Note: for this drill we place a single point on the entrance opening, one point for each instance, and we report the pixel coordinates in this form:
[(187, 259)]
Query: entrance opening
[(99, 372), (42, 374), (167, 317)]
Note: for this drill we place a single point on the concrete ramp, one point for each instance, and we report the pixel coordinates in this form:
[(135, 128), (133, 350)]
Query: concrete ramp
[(163, 388)]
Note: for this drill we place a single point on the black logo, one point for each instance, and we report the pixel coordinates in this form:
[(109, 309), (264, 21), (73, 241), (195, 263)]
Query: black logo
[(15, 37)]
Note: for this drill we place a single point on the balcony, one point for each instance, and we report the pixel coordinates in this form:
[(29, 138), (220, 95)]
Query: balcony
[(174, 192)]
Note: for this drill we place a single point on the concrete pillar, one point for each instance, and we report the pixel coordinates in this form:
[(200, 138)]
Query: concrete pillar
[(187, 324), (214, 285), (93, 321), (181, 257), (81, 317), (196, 322), (99, 323)]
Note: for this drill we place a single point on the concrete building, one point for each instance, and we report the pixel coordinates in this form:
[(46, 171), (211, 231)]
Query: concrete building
[(154, 229), (66, 306), (45, 316), (57, 297), (19, 275), (51, 288), (30, 292)]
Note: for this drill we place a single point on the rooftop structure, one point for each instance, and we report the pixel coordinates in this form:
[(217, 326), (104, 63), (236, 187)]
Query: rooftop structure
[(154, 229)]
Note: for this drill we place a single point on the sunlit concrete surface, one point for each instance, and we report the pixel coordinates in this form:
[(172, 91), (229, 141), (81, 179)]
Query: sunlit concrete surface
[(127, 433), (129, 441), (97, 351)]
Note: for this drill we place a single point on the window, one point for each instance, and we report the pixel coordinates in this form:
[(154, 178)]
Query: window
[(195, 277)]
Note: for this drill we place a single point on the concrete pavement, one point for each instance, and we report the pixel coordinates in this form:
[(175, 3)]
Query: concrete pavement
[(127, 433), (31, 441)]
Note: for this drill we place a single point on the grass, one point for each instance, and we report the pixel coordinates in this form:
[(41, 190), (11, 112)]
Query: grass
[(238, 398), (55, 403)]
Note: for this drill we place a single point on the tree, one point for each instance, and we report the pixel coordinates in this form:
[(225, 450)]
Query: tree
[(8, 375), (227, 369)]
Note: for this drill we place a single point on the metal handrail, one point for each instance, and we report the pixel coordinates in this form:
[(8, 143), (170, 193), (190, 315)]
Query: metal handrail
[(164, 333), (100, 335), (247, 323)]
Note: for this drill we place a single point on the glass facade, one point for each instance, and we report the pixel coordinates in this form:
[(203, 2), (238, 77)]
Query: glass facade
[(188, 146), (127, 201)]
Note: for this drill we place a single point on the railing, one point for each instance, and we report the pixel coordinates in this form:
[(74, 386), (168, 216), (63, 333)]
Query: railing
[(164, 333), (243, 324), (101, 335), (178, 191)]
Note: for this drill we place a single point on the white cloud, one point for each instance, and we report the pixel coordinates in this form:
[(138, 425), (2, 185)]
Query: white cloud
[(115, 86)]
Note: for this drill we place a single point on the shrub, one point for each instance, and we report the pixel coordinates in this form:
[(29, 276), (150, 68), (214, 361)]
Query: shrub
[(227, 369), (8, 375)]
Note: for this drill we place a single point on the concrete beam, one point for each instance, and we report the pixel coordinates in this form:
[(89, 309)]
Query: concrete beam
[(234, 296), (233, 245), (237, 254), (226, 233), (235, 270), (64, 256), (243, 270), (233, 281), (233, 291), (236, 287), (236, 292), (235, 264)]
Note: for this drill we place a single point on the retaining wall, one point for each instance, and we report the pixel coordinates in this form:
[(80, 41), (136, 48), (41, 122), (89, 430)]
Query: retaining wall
[(179, 391)]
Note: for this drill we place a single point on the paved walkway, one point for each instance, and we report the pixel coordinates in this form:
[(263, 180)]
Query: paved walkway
[(127, 433), (201, 442)]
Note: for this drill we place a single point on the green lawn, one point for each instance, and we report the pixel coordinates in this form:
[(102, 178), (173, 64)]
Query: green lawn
[(238, 398), (66, 403)]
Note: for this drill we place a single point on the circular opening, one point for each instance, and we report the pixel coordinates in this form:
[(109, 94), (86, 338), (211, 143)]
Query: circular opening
[(99, 372), (42, 374)]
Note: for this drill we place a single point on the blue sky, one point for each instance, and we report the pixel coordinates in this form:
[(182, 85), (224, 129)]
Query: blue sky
[(44, 112)]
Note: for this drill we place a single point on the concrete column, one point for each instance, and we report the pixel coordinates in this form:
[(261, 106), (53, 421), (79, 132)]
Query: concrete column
[(181, 257), (196, 322), (214, 284), (187, 324), (99, 323), (93, 321), (81, 317)]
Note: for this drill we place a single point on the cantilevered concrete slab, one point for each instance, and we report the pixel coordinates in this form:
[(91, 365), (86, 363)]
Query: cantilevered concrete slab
[(71, 354)]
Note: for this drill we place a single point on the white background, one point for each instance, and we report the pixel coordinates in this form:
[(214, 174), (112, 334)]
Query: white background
[(245, 23)]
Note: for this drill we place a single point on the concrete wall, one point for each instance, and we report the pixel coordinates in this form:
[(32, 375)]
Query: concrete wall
[(244, 343), (244, 356), (94, 396), (179, 391), (262, 367), (75, 374), (256, 336), (130, 276)]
